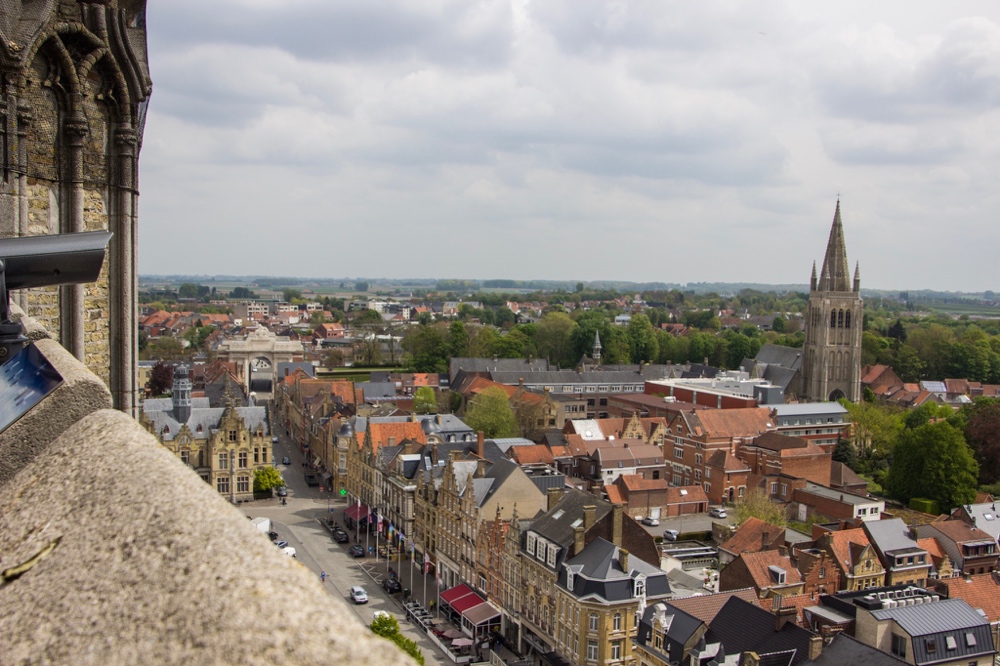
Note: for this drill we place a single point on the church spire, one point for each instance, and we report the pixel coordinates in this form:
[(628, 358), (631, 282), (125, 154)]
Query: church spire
[(812, 280), (835, 267), (857, 276)]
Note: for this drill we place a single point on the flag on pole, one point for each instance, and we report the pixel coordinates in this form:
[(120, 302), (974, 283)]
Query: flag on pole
[(378, 522), (427, 563), (390, 530)]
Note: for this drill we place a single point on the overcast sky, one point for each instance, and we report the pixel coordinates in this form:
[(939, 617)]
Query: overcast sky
[(573, 139)]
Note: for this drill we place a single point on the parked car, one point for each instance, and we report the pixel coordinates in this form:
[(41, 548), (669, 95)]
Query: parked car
[(282, 492), (358, 595), (288, 550), (671, 535), (717, 512), (340, 536), (357, 551), (392, 586), (281, 544), (273, 536), (274, 439), (652, 522), (311, 480), (286, 461)]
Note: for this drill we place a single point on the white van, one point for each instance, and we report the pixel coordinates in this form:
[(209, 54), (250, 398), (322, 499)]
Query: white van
[(288, 550)]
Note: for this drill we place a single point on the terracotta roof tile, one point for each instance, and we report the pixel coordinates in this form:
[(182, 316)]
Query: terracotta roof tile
[(399, 432), (614, 494), (757, 565), (634, 483), (532, 455), (750, 536), (706, 607), (728, 423), (979, 591), (690, 494)]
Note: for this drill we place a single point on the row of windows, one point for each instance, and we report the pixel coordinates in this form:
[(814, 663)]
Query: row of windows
[(242, 484)]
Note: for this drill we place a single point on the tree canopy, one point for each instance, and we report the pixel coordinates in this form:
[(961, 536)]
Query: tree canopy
[(934, 462), (424, 400), (757, 504), (490, 412), (266, 478)]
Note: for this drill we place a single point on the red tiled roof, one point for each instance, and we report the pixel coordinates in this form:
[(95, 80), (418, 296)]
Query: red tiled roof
[(841, 543), (706, 607), (740, 422), (380, 433), (532, 455), (614, 494), (979, 591), (750, 535), (757, 564), (689, 494), (636, 483)]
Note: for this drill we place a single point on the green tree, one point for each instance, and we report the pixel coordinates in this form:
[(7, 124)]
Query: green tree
[(266, 478), (778, 325), (289, 294), (458, 340), (757, 504), (242, 293), (876, 427), (361, 286), (167, 349), (189, 290), (424, 400), (385, 625), (504, 317), (642, 339), (369, 318), (427, 349), (982, 432), (553, 337), (933, 461), (514, 344), (334, 358), (845, 453), (490, 412)]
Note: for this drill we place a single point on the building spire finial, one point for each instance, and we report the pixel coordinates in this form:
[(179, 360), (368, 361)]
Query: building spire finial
[(834, 276)]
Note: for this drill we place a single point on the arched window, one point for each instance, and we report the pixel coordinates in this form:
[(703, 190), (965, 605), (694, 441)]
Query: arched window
[(847, 319), (840, 319), (833, 319)]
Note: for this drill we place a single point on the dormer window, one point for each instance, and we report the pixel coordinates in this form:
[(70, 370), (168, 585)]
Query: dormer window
[(639, 586)]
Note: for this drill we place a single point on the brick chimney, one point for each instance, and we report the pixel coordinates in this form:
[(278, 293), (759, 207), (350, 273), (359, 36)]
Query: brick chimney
[(578, 539), (815, 647), (480, 468), (589, 514), (765, 539), (392, 441), (782, 614), (616, 525), (623, 559), (480, 444), (553, 497)]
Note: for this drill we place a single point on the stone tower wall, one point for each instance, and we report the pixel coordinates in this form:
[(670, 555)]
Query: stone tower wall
[(75, 83)]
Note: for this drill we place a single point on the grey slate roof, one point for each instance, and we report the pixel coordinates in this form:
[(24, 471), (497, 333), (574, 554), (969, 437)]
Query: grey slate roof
[(207, 418), (557, 525), (680, 627), (377, 390), (742, 626), (930, 625), (598, 573), (787, 357), (890, 535), (844, 649)]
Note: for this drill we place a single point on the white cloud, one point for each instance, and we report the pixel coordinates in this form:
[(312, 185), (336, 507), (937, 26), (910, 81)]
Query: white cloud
[(575, 139)]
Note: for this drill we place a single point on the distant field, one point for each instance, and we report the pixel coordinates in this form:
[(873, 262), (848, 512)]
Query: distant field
[(963, 308)]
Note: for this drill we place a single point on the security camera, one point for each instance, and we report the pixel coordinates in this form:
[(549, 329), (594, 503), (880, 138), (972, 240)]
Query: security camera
[(44, 261)]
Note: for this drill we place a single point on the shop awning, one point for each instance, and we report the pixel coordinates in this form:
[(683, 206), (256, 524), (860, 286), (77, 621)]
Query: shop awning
[(356, 511), (481, 614), (457, 592)]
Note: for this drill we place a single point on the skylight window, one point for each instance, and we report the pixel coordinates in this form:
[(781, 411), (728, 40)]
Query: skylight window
[(558, 514), (988, 516), (950, 642), (970, 639)]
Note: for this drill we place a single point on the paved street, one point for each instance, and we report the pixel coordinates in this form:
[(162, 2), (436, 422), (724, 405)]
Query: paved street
[(300, 523)]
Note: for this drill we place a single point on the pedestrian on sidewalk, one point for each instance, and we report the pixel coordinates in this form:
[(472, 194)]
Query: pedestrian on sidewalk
[(322, 576)]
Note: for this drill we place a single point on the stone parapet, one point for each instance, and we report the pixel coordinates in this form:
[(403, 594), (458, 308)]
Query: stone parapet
[(115, 552)]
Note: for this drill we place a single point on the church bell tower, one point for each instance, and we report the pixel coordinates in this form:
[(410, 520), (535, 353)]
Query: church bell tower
[(834, 322)]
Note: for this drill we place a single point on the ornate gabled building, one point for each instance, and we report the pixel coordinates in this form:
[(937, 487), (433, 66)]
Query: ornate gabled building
[(75, 81), (831, 368), (224, 445)]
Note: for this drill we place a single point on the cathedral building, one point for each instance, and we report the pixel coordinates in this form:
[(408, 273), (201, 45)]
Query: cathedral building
[(831, 367), (75, 82)]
